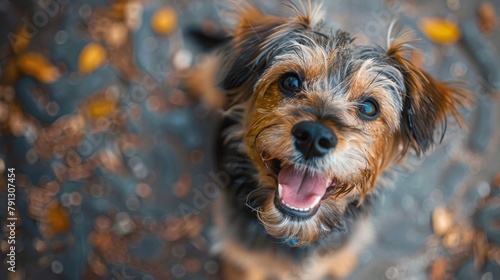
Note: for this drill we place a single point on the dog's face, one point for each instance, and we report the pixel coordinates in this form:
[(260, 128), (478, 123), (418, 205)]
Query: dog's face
[(324, 119)]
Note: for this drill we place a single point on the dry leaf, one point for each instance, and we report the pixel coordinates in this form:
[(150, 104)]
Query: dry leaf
[(164, 21), (487, 18), (38, 67), (58, 219), (439, 30), (91, 57), (101, 108), (442, 221)]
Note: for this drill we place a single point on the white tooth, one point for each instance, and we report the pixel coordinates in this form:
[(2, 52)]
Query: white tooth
[(280, 190), (316, 201)]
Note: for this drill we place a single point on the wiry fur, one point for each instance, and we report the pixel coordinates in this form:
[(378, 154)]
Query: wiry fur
[(336, 76)]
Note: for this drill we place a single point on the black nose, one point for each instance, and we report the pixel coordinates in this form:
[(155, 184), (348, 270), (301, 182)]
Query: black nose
[(313, 139)]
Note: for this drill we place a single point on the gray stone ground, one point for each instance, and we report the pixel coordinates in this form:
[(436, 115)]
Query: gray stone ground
[(111, 198)]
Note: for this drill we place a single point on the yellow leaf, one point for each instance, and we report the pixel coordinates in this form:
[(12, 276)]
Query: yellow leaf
[(58, 219), (439, 30), (164, 21), (91, 57), (37, 66), (101, 108)]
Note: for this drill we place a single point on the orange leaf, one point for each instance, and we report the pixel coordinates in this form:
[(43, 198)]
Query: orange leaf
[(58, 219), (164, 21), (38, 67), (439, 30), (101, 108), (91, 57)]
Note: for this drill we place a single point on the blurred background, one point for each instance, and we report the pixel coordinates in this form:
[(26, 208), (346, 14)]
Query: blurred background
[(110, 129)]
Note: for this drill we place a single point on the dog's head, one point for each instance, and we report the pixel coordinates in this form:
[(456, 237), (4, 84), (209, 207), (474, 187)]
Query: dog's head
[(325, 118)]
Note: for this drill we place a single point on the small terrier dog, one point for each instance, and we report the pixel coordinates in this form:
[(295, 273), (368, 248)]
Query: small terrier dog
[(313, 126)]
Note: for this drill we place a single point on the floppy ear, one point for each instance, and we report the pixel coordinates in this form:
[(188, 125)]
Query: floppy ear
[(427, 103), (256, 39)]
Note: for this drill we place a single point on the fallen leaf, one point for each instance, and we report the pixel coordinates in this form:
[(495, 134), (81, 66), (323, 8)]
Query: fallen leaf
[(164, 21), (58, 219), (91, 57), (487, 18), (101, 108), (38, 67), (439, 30)]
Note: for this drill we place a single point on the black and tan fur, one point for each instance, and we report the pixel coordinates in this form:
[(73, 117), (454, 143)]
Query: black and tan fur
[(254, 236)]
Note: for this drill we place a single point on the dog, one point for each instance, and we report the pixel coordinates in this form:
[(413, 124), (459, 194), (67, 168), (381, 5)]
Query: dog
[(313, 127)]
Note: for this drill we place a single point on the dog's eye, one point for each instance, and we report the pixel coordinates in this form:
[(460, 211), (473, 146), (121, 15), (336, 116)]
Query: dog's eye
[(290, 83), (368, 109)]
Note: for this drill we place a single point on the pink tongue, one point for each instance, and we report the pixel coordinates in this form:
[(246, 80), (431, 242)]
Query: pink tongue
[(300, 188)]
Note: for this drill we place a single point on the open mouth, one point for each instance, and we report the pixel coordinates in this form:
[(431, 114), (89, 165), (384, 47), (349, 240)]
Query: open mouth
[(300, 191)]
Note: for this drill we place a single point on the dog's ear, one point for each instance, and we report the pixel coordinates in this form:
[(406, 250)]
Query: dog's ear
[(257, 38), (427, 103), (246, 56)]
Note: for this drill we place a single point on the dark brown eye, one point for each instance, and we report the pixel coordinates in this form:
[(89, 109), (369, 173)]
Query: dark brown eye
[(368, 109), (290, 84)]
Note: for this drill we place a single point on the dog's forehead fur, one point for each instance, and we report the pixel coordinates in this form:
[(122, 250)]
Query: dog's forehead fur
[(340, 79), (331, 66)]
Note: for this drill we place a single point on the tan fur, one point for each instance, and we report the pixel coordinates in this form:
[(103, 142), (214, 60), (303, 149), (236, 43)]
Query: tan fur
[(412, 107)]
